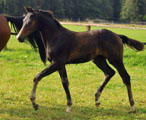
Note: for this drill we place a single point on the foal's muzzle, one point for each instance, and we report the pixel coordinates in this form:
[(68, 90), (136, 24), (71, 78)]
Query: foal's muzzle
[(20, 39)]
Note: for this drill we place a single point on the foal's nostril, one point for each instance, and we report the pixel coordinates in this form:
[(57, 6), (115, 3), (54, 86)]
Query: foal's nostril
[(20, 39)]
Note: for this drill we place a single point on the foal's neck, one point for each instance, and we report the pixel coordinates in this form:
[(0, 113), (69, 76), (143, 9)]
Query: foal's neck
[(49, 27), (48, 23)]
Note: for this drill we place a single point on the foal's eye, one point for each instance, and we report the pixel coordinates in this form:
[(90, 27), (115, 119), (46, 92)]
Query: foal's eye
[(32, 17), (29, 22)]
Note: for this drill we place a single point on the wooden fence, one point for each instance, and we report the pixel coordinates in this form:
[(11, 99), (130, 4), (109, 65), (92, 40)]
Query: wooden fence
[(88, 26)]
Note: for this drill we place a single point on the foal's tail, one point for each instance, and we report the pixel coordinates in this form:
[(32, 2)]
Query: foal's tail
[(137, 45)]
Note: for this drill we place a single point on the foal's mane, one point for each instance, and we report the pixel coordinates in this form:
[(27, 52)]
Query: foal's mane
[(49, 15)]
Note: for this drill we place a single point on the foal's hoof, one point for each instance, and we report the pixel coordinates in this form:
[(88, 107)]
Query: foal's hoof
[(68, 109), (35, 106), (132, 110), (97, 104)]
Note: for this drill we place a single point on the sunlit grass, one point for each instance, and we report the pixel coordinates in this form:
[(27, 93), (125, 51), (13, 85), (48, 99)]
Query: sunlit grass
[(19, 64)]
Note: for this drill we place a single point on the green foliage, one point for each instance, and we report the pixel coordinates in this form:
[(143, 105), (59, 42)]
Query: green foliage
[(132, 10), (62, 8), (116, 8), (2, 4), (106, 9), (144, 18), (55, 5)]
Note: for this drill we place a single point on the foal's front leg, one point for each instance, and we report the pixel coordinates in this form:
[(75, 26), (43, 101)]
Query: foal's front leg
[(47, 71), (65, 84)]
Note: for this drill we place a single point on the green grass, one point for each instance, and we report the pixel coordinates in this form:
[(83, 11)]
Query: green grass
[(19, 64)]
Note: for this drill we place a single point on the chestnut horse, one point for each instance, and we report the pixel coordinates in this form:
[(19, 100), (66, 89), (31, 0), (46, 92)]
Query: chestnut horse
[(4, 32), (63, 46)]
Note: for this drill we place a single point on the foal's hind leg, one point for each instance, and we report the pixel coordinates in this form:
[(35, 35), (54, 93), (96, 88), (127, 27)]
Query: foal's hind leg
[(65, 84), (126, 80), (100, 61)]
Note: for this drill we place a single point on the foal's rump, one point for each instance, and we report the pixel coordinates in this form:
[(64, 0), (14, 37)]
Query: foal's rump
[(113, 38), (115, 41)]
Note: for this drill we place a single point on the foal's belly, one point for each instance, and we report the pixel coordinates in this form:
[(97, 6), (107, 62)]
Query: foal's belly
[(81, 57), (79, 60)]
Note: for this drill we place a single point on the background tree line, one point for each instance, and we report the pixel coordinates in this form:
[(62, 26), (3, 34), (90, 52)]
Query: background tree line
[(125, 10)]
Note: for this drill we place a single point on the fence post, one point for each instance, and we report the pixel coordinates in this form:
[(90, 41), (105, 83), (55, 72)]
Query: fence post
[(88, 27)]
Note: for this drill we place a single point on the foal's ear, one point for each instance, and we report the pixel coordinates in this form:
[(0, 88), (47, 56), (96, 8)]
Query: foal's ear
[(28, 9)]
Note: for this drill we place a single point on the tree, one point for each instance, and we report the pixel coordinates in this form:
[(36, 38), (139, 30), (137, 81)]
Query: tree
[(116, 8), (132, 10), (106, 10), (85, 9), (68, 8), (2, 8), (56, 6)]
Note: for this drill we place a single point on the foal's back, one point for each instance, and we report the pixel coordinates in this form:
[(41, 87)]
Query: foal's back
[(88, 45)]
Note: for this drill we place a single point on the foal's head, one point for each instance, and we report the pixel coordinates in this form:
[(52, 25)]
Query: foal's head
[(31, 22)]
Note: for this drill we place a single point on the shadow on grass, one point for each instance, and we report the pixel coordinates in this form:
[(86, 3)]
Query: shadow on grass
[(18, 49), (57, 112)]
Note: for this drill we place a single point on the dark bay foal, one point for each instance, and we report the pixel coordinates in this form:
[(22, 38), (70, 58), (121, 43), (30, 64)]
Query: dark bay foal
[(63, 46)]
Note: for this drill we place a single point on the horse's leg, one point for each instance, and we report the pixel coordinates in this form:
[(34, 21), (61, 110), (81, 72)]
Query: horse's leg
[(65, 84), (52, 68), (126, 80), (100, 61)]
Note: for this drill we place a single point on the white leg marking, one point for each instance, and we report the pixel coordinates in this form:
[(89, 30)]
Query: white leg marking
[(68, 109)]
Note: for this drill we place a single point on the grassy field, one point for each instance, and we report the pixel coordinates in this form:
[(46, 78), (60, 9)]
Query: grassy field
[(19, 64)]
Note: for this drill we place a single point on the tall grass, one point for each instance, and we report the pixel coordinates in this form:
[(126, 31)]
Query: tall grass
[(19, 64)]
